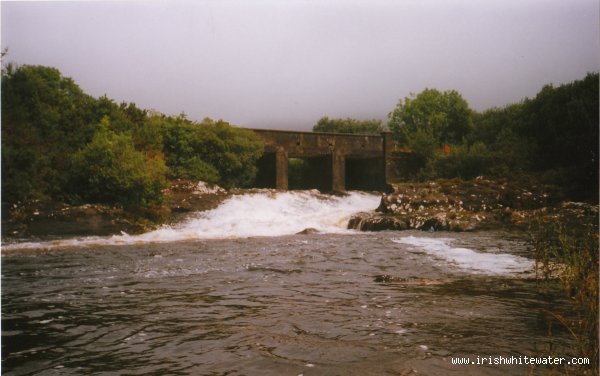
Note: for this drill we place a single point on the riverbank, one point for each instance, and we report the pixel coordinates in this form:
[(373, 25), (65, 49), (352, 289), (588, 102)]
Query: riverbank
[(479, 204), (50, 219), (441, 205)]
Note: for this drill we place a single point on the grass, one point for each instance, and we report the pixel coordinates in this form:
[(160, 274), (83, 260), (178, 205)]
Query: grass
[(567, 250)]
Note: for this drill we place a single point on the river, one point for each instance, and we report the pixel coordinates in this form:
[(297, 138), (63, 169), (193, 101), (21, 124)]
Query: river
[(236, 291)]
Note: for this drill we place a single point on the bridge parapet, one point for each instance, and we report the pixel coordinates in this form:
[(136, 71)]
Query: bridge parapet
[(309, 144)]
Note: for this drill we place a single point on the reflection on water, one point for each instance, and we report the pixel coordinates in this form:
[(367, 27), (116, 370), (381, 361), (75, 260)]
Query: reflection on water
[(334, 304)]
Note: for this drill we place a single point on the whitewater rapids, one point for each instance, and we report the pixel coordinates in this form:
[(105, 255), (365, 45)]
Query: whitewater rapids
[(236, 290), (266, 213)]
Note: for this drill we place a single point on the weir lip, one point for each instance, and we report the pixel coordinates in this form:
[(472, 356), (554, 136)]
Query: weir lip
[(254, 213)]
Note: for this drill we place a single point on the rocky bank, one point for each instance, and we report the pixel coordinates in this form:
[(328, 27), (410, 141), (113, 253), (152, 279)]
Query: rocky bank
[(443, 205), (51, 219), (456, 205)]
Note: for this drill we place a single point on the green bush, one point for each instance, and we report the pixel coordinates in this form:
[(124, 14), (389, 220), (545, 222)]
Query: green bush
[(567, 249), (349, 125), (445, 116), (236, 154), (195, 168), (110, 170), (60, 143), (212, 151), (464, 161), (45, 118)]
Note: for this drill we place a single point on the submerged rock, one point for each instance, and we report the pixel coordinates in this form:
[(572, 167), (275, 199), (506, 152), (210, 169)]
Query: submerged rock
[(308, 231), (386, 278), (376, 222)]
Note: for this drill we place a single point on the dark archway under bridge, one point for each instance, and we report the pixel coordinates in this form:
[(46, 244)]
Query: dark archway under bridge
[(335, 161)]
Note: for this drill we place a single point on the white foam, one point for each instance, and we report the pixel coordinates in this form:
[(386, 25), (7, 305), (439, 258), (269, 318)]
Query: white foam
[(468, 259), (267, 213)]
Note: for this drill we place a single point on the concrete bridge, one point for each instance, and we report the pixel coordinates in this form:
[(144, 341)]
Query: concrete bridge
[(333, 161)]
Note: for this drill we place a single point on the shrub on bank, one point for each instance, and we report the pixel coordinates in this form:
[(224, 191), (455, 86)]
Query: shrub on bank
[(211, 151), (567, 248), (61, 144), (110, 170), (465, 162)]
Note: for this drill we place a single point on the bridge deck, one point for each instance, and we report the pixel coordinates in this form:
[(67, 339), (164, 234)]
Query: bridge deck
[(310, 144)]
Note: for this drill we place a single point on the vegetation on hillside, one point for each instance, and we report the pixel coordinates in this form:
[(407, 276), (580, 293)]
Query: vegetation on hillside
[(552, 137), (567, 247), (60, 143), (438, 117)]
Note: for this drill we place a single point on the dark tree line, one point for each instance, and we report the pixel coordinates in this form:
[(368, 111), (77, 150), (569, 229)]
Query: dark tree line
[(62, 144), (348, 125), (552, 137)]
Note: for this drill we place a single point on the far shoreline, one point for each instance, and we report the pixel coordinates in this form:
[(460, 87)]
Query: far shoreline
[(450, 205)]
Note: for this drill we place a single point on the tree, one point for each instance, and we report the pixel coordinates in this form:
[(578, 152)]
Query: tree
[(237, 153), (45, 118), (348, 125), (212, 151), (564, 123), (62, 144), (446, 116), (500, 129), (110, 170)]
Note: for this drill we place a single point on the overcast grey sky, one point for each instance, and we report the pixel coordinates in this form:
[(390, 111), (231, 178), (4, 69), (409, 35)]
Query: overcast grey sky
[(284, 64)]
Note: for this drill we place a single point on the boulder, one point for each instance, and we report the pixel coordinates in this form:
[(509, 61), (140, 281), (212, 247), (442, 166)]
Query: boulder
[(376, 222)]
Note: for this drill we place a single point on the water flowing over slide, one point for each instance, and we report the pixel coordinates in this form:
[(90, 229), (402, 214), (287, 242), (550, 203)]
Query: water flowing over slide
[(267, 213), (272, 213)]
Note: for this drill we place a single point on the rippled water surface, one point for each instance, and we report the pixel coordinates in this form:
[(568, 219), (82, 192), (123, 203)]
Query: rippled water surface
[(323, 304)]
